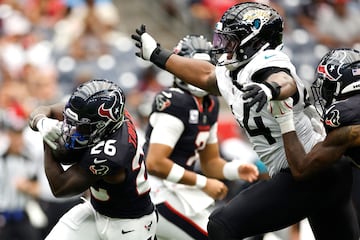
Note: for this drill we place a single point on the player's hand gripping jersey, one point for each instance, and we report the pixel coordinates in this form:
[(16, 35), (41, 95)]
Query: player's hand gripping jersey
[(261, 128)]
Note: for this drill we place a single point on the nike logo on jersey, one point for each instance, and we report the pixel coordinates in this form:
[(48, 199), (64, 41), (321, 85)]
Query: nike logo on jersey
[(269, 56), (166, 94), (125, 232), (148, 227), (96, 161)]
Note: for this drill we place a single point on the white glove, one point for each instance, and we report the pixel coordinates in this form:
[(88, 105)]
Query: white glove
[(50, 130), (149, 49), (315, 119), (146, 43), (282, 112)]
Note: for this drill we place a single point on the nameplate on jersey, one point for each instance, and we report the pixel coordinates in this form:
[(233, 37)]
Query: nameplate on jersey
[(194, 116)]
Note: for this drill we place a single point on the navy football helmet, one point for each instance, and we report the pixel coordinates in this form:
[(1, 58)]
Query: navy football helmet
[(197, 47), (94, 110), (337, 77), (244, 30)]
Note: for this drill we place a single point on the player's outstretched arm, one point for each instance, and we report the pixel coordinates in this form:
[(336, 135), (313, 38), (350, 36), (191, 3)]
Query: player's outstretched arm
[(194, 71)]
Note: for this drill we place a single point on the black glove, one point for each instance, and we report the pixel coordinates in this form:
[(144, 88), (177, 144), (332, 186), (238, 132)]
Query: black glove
[(259, 93), (149, 48)]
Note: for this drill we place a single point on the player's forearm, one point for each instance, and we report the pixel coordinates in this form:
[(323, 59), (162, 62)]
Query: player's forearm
[(193, 71), (295, 154), (51, 111), (213, 168), (53, 172), (286, 83)]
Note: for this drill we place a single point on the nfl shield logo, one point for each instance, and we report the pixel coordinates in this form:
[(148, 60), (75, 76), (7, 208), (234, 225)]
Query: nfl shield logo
[(193, 116)]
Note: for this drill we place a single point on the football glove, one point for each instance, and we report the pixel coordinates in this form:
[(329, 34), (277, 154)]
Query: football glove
[(50, 130), (283, 113), (260, 93), (315, 119), (149, 48)]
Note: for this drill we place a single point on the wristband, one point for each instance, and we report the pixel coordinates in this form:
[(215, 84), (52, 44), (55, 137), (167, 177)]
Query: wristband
[(160, 56), (176, 173), (230, 170), (36, 118), (200, 181), (287, 126), (274, 88)]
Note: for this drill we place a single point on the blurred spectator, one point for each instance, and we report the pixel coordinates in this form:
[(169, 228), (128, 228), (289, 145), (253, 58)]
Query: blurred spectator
[(43, 85), (17, 161), (95, 17), (39, 189), (12, 54), (44, 14), (140, 99), (89, 45), (16, 94), (333, 23), (209, 12)]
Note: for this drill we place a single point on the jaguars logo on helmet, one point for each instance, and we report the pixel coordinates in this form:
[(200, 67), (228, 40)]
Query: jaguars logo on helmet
[(244, 30)]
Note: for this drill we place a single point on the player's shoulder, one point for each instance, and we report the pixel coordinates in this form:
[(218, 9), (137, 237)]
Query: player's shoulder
[(172, 99), (266, 59), (343, 113), (272, 54)]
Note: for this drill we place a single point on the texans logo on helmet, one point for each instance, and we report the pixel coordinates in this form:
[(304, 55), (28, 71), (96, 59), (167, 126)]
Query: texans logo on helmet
[(331, 70), (112, 112), (104, 112)]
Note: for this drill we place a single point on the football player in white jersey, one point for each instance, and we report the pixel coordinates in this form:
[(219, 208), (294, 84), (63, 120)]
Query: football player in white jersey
[(251, 71), (182, 130)]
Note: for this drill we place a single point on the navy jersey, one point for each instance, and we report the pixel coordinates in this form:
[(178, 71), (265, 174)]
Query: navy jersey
[(197, 120), (120, 150), (344, 113)]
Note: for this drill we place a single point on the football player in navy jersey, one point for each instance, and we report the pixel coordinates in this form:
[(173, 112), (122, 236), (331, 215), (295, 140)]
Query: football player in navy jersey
[(182, 129), (94, 133), (336, 95), (251, 70)]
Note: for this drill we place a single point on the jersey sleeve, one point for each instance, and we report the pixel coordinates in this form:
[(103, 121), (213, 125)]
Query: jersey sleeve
[(167, 129), (172, 102), (342, 113)]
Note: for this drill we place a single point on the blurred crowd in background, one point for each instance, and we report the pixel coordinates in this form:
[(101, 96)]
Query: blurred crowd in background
[(48, 47)]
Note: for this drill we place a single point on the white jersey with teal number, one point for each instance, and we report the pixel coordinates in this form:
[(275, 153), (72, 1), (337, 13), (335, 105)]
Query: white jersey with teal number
[(261, 128)]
